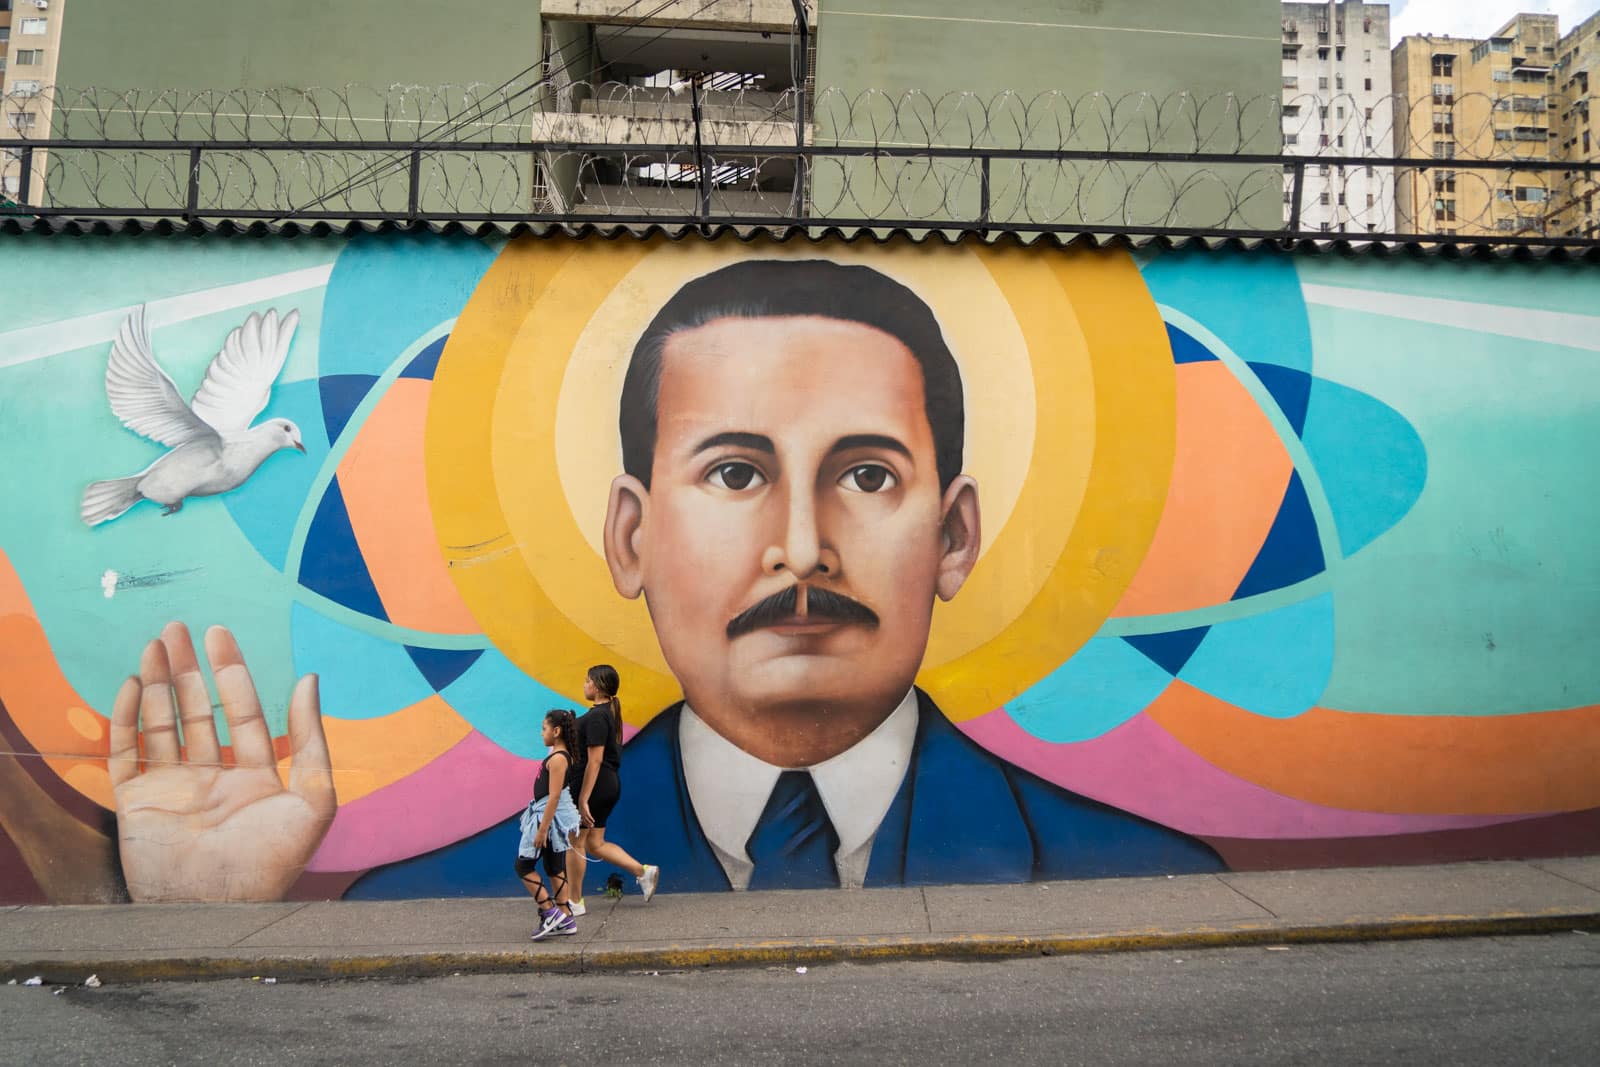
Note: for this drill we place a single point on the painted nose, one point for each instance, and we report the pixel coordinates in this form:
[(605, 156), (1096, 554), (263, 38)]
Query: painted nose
[(804, 551)]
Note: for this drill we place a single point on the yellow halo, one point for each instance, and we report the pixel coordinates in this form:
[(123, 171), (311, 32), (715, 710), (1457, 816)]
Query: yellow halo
[(522, 446)]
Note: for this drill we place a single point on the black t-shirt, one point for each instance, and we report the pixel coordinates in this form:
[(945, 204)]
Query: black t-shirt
[(541, 784), (597, 727)]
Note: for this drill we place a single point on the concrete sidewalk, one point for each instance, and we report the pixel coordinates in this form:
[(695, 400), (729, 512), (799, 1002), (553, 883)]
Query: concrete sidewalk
[(421, 937)]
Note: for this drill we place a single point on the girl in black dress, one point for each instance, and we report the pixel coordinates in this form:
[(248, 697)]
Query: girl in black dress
[(600, 786)]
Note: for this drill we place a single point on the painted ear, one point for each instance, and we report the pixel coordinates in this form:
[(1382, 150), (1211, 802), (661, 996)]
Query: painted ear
[(625, 513), (962, 535)]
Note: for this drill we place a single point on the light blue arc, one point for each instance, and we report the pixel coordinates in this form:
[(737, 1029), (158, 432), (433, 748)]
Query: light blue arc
[(383, 295), (266, 507), (1276, 664), (1254, 304), (1372, 462), (1106, 683), (503, 704), (362, 677)]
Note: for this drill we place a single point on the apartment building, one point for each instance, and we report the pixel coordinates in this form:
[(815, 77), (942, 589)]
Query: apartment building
[(30, 39), (1577, 139), (1480, 99), (1337, 102)]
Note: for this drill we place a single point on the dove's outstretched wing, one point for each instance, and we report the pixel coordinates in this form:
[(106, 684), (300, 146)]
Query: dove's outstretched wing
[(240, 378), (142, 395)]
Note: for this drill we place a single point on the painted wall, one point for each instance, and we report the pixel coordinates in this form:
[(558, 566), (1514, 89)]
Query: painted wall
[(1244, 561)]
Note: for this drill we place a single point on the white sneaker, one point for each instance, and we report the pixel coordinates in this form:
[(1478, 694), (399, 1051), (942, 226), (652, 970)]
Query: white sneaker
[(648, 882), (578, 909)]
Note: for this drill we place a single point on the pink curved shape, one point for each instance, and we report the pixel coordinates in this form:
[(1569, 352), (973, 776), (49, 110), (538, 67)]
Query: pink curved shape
[(1141, 768), (472, 786)]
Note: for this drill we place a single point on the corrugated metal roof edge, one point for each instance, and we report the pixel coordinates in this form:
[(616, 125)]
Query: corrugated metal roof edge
[(1417, 246)]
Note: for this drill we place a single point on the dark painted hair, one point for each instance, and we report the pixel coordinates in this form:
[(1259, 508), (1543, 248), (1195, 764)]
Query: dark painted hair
[(767, 288), (605, 678), (566, 724)]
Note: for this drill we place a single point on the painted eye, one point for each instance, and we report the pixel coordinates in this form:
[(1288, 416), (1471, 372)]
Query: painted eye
[(735, 476), (869, 478)]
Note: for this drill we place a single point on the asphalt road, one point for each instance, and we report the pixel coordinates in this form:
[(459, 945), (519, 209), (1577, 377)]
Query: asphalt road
[(1509, 1000)]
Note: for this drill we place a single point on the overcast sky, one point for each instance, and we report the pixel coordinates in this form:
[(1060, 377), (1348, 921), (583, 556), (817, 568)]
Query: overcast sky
[(1477, 18)]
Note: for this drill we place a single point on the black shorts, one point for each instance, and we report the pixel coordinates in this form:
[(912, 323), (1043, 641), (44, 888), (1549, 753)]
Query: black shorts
[(555, 864), (603, 798)]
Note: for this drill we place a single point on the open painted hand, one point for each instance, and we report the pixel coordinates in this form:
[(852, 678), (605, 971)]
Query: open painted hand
[(190, 828)]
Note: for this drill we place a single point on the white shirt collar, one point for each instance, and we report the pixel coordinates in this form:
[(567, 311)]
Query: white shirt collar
[(729, 789)]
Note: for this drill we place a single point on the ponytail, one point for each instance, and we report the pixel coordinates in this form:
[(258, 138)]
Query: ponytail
[(604, 678)]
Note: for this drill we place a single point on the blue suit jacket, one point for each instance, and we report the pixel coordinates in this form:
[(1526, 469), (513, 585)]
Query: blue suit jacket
[(961, 815)]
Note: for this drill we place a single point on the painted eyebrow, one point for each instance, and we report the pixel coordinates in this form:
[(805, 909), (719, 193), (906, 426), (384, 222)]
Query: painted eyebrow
[(870, 440), (754, 441)]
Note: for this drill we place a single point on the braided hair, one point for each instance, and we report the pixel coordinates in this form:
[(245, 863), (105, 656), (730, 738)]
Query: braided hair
[(566, 727)]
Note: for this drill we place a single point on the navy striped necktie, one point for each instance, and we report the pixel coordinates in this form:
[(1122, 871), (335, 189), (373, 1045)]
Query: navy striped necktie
[(794, 841)]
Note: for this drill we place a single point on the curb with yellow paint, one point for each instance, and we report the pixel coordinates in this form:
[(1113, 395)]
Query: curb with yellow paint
[(781, 952)]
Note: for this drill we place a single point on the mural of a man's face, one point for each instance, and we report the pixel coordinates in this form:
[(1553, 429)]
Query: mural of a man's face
[(794, 532)]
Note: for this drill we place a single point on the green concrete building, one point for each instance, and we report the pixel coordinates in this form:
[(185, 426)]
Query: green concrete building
[(1170, 75)]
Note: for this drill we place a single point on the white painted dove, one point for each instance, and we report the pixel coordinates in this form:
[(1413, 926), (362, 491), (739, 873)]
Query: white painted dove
[(214, 447)]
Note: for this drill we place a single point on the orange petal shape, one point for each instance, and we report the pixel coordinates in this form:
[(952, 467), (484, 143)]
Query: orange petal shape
[(369, 754), (386, 493), (1228, 479), (1531, 763)]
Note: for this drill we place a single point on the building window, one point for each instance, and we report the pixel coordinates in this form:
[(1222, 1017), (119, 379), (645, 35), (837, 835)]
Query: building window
[(1444, 211), (1443, 93), (1338, 112), (1500, 75), (1531, 194), (27, 57), (1291, 82), (1341, 200), (1291, 51), (1444, 150), (1338, 81), (1322, 83), (1372, 227), (1444, 181), (1366, 55), (1322, 198), (1291, 138), (33, 27), (1369, 142), (1327, 226), (30, 87), (1443, 122), (1369, 114), (1368, 84), (1444, 66), (1339, 141), (5, 33), (1371, 200), (1322, 112), (22, 121)]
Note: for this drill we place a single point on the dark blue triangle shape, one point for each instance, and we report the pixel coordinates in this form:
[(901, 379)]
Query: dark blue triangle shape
[(1290, 388), (441, 666), (332, 563), (1186, 349), (341, 395), (1292, 551), (427, 361), (1169, 651)]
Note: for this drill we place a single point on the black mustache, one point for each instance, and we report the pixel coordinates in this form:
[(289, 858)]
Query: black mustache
[(820, 604)]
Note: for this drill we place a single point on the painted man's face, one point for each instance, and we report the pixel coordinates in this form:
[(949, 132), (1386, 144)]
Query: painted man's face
[(794, 534)]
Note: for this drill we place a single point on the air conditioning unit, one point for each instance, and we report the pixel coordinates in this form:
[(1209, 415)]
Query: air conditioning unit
[(42, 5)]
